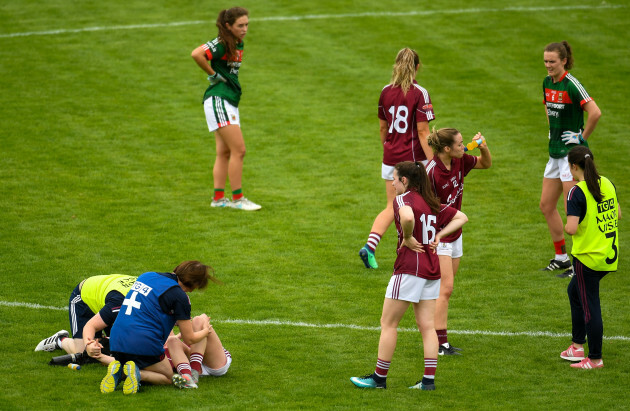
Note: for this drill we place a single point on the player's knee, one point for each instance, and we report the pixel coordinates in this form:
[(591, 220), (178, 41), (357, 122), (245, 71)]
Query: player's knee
[(171, 341), (199, 321), (546, 208), (446, 291), (239, 152)]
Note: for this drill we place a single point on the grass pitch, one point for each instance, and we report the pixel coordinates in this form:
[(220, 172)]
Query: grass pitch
[(106, 167)]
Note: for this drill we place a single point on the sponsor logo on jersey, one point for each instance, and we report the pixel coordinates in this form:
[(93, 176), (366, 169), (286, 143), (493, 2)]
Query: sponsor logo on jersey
[(557, 96), (427, 107)]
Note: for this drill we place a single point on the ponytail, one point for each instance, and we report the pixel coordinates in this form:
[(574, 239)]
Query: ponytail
[(582, 157), (404, 71), (418, 181), (229, 16)]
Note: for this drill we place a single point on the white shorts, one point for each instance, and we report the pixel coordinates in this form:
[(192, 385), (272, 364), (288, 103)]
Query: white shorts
[(407, 287), (220, 113), (387, 172), (205, 370), (558, 168), (453, 250)]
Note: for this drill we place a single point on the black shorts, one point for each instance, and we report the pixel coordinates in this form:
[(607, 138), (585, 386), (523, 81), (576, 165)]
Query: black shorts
[(142, 361), (79, 314)]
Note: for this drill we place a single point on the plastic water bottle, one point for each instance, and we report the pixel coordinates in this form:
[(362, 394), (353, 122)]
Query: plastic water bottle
[(75, 367), (474, 144)]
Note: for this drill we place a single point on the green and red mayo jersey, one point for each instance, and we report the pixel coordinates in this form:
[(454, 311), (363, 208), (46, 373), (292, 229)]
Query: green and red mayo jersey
[(564, 101), (231, 89)]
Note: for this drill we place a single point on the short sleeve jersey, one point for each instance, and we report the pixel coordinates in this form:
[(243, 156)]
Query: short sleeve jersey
[(231, 89), (448, 185), (564, 101), (426, 226), (403, 112), (142, 326)]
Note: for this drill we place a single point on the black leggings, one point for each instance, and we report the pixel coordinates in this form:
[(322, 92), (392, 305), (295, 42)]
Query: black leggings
[(586, 312)]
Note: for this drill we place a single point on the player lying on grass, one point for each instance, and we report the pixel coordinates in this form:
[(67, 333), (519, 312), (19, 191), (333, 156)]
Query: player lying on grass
[(207, 357), (93, 307)]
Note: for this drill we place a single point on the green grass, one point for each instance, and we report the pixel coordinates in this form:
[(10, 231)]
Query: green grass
[(106, 167)]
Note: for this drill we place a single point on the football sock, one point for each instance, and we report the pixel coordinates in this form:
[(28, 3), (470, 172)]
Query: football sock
[(237, 194), (372, 242), (195, 361), (430, 365), (219, 193), (561, 250), (382, 367), (442, 336), (184, 368), (59, 343)]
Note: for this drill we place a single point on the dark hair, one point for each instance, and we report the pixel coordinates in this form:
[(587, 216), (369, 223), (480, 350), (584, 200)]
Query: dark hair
[(444, 137), (226, 37), (564, 51), (194, 274), (582, 157), (418, 181)]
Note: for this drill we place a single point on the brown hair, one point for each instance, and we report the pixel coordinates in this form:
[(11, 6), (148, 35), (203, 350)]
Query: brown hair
[(404, 71), (194, 274), (418, 181), (229, 16), (582, 157), (564, 51), (444, 137)]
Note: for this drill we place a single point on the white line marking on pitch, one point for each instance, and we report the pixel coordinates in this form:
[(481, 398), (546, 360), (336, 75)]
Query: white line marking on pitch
[(346, 326), (318, 16)]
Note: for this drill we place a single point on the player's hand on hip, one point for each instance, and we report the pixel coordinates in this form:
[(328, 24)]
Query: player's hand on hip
[(216, 78), (570, 137), (412, 244)]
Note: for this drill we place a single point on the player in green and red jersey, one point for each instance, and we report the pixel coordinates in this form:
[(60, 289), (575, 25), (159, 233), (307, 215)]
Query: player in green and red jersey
[(565, 100), (221, 59)]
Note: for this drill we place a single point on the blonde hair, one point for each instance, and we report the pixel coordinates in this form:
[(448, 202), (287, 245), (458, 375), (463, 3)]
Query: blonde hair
[(404, 72)]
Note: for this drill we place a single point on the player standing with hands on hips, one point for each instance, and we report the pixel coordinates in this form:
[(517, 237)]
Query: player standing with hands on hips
[(418, 215), (446, 172), (566, 100), (404, 112), (592, 219), (221, 59)]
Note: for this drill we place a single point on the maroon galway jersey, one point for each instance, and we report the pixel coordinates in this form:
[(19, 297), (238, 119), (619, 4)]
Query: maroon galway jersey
[(426, 226), (403, 113), (448, 185)]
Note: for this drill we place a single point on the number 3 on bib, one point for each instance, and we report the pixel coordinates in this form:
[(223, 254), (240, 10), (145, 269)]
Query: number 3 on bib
[(399, 119)]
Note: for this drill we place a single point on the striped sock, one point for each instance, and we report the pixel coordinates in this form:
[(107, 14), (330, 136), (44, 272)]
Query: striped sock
[(184, 368), (237, 194), (381, 368), (195, 361), (430, 364), (219, 193), (372, 242)]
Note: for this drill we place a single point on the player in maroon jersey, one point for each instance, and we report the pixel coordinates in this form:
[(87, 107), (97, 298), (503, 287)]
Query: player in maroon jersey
[(416, 279), (404, 112), (446, 172)]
